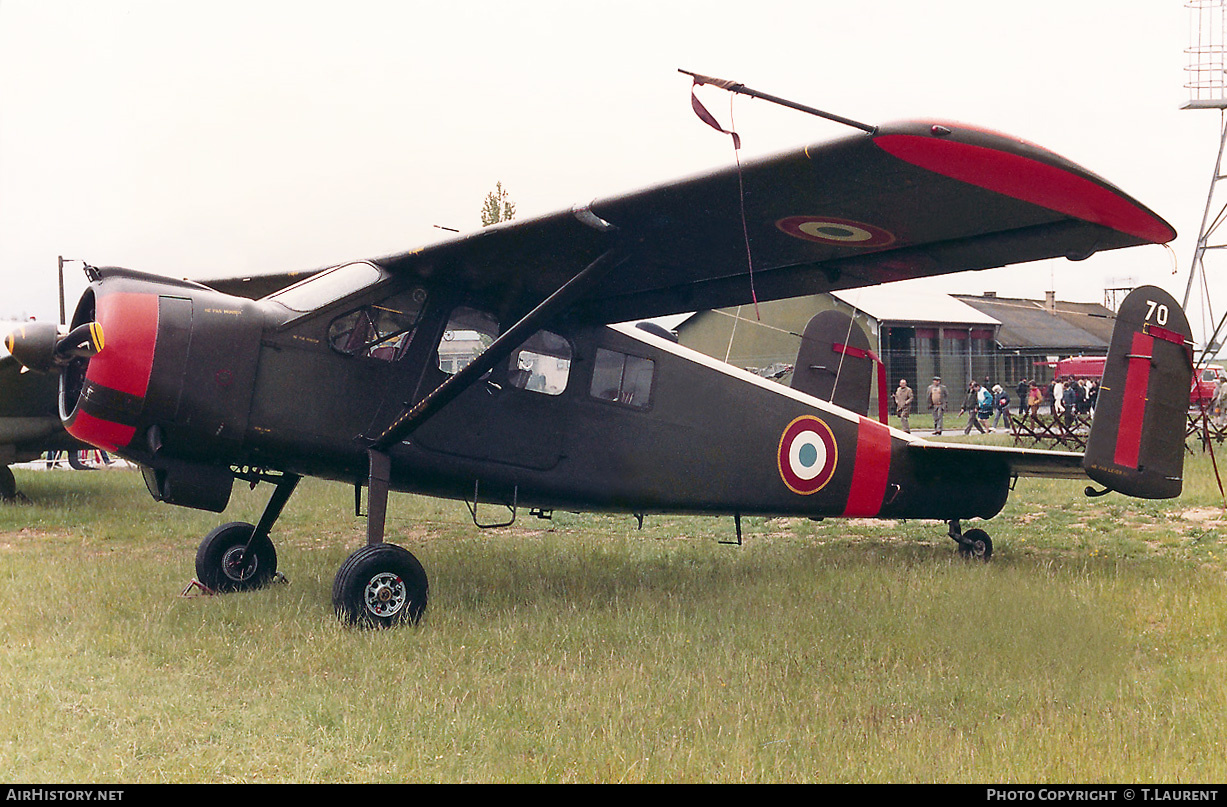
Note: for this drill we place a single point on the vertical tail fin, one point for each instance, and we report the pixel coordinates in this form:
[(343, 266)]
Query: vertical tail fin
[(835, 363), (1136, 445)]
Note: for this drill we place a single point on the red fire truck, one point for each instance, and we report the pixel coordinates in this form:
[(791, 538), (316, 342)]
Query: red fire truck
[(1202, 390)]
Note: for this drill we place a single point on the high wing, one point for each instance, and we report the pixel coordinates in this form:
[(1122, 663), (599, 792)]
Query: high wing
[(911, 200)]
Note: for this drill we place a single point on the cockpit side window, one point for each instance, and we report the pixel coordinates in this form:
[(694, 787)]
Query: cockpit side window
[(327, 286), (380, 330)]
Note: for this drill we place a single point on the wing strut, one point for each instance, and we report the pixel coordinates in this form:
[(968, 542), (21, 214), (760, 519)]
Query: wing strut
[(377, 453)]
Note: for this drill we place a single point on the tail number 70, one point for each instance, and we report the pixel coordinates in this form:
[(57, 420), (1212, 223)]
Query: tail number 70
[(1157, 311)]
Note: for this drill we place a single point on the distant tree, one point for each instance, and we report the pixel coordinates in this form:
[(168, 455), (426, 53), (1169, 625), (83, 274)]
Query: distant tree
[(497, 207)]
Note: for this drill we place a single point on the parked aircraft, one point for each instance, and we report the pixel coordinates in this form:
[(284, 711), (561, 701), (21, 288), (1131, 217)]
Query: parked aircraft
[(492, 367), (29, 421), (30, 424)]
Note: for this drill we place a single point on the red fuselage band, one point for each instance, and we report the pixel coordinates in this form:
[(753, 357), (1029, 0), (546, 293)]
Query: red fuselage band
[(870, 469)]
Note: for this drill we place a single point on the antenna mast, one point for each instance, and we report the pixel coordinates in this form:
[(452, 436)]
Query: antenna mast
[(1207, 85)]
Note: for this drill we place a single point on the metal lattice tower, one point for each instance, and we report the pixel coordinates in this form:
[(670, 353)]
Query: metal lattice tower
[(1207, 85)]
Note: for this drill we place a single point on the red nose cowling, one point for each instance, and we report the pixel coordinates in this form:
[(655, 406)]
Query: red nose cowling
[(113, 391)]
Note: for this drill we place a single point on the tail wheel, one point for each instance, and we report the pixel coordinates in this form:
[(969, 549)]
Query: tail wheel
[(976, 544), (380, 585), (225, 563)]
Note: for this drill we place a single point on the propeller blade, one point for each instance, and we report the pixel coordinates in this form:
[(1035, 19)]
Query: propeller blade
[(82, 342)]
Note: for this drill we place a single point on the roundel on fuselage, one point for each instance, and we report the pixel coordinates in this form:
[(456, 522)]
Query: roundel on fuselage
[(807, 455)]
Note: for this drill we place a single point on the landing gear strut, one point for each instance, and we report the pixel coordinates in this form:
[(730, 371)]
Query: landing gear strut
[(380, 585), (974, 543), (238, 556)]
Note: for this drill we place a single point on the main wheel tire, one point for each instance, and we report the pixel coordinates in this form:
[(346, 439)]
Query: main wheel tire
[(223, 562), (976, 544), (380, 586)]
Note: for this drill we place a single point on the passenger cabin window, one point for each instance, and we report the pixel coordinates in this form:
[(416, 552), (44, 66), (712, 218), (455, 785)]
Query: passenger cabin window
[(542, 364), (623, 379), (380, 330), (469, 332)]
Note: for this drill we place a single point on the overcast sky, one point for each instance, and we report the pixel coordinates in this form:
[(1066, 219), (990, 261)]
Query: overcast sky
[(245, 136)]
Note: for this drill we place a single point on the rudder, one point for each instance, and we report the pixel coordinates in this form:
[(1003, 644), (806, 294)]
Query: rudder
[(835, 362), (1136, 444)]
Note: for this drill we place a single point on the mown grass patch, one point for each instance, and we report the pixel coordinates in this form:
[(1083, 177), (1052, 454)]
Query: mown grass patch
[(584, 649)]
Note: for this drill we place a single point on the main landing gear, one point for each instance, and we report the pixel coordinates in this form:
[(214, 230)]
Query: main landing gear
[(974, 543), (379, 585)]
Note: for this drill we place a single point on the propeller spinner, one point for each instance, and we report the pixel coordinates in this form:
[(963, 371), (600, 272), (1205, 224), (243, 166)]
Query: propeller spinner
[(38, 345)]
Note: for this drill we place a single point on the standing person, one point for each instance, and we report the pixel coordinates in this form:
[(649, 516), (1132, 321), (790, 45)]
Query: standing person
[(1080, 396), (938, 400), (984, 406), (1069, 402), (1001, 407), (1035, 397), (1058, 398), (971, 405), (903, 403)]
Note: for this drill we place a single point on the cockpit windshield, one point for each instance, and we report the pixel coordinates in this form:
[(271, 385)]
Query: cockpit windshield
[(327, 286)]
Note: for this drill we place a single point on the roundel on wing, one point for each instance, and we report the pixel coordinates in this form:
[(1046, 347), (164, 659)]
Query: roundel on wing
[(807, 455), (837, 232)]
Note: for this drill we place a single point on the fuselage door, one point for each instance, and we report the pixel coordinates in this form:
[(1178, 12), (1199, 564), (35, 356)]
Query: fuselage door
[(517, 414)]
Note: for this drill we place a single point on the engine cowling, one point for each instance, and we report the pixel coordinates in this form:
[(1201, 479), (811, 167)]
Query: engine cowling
[(170, 389)]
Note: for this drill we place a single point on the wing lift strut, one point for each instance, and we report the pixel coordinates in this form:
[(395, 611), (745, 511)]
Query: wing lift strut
[(380, 461)]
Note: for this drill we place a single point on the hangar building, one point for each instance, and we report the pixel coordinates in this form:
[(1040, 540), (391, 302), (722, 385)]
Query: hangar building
[(917, 334)]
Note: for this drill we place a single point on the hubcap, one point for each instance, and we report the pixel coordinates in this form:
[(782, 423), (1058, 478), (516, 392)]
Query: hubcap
[(237, 566), (385, 594)]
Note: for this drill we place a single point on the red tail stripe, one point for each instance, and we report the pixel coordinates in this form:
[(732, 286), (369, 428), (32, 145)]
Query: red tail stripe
[(1166, 335), (869, 354), (1133, 407)]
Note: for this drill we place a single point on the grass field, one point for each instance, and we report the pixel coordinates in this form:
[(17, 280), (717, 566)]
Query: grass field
[(584, 650)]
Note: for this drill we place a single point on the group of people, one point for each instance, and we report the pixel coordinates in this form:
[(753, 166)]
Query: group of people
[(990, 402), (1070, 397)]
